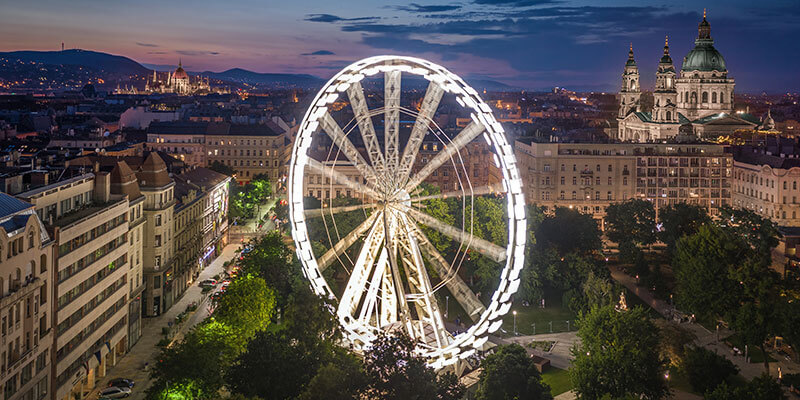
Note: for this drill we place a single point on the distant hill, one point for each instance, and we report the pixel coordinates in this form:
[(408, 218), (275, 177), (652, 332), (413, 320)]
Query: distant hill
[(108, 63), (258, 78)]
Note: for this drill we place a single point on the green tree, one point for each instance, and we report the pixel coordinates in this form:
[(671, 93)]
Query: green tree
[(222, 168), (181, 390), (439, 209), (631, 224), (341, 379), (702, 263), (396, 372), (679, 220), (510, 373), (759, 233), (763, 387), (275, 366), (599, 291), (706, 369), (569, 231), (618, 356), (271, 259), (201, 357), (247, 307)]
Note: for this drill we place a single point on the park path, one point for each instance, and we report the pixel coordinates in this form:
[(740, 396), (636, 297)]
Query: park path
[(131, 365), (704, 337)]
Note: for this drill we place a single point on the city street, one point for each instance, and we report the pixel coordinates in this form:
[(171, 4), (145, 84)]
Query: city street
[(145, 351)]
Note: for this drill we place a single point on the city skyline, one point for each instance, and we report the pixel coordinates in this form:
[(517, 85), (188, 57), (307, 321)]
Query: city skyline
[(510, 41)]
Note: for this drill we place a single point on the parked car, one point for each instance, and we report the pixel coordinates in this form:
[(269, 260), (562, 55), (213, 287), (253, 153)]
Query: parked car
[(208, 283), (121, 382), (116, 392)]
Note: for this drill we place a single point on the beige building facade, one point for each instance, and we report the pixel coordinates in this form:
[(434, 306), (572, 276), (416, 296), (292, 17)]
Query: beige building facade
[(25, 301), (90, 304), (589, 177)]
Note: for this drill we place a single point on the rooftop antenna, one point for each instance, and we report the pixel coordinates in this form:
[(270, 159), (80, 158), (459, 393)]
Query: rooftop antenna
[(62, 46)]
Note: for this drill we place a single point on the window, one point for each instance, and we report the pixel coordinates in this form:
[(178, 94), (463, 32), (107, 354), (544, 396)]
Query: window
[(157, 241), (563, 168), (546, 168), (705, 97), (625, 181), (156, 282), (574, 195), (609, 181), (562, 195), (609, 167), (158, 220), (563, 180), (609, 196), (574, 180), (157, 261)]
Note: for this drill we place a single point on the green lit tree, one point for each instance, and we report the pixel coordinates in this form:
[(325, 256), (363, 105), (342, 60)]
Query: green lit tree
[(618, 356), (510, 373)]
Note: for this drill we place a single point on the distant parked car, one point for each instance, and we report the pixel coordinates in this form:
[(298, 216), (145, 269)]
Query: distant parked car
[(121, 382), (116, 392), (208, 283)]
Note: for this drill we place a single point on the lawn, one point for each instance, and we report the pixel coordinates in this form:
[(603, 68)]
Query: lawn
[(528, 316), (558, 379)]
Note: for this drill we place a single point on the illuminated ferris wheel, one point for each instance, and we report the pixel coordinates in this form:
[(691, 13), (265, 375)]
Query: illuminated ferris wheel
[(389, 284)]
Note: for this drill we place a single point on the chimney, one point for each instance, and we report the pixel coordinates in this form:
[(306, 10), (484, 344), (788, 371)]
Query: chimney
[(102, 187)]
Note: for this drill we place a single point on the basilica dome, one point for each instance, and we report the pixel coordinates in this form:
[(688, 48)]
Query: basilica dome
[(704, 57)]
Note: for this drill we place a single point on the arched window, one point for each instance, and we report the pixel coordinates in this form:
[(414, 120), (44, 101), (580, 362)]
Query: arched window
[(574, 195), (694, 98), (562, 195), (669, 116), (721, 97), (713, 97), (705, 97)]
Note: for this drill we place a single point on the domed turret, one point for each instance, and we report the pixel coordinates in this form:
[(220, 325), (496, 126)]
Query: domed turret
[(704, 57), (768, 124), (180, 73), (631, 61)]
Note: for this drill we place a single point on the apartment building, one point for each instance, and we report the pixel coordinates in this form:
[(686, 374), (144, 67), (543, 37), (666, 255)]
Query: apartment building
[(90, 278), (25, 300), (157, 249), (590, 177), (248, 149), (201, 221), (124, 182)]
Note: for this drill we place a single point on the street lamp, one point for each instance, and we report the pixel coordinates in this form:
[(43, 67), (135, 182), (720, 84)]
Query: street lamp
[(515, 322)]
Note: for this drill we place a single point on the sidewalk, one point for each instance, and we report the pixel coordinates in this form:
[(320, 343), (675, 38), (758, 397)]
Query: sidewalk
[(131, 365), (705, 337)]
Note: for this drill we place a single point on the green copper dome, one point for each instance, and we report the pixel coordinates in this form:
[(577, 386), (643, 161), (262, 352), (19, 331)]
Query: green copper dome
[(704, 57)]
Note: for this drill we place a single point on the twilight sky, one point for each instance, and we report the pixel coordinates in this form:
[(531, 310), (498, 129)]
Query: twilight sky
[(535, 44)]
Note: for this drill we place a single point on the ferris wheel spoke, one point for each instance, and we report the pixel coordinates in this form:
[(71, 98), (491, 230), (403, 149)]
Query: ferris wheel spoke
[(465, 136), (364, 266), (359, 105), (345, 243), (432, 331), (484, 247), (391, 122), (457, 287), (350, 151), (318, 212), (478, 191), (429, 105), (341, 178)]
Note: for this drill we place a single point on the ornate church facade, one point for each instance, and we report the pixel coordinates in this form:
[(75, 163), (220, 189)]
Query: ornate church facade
[(697, 103)]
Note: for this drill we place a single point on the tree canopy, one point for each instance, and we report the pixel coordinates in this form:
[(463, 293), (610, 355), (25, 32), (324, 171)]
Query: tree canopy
[(618, 356), (510, 373)]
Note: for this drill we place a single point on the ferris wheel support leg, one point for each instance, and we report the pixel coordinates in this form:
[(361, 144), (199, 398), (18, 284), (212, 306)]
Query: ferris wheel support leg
[(457, 287), (325, 261), (425, 301)]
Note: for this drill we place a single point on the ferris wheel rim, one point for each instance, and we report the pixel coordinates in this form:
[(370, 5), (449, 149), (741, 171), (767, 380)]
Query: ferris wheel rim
[(464, 345)]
